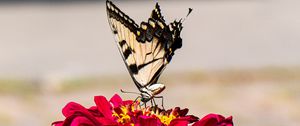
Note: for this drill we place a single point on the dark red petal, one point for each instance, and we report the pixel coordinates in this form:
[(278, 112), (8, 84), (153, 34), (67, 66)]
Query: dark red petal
[(183, 120), (93, 108), (107, 122), (183, 112), (103, 106), (118, 110), (57, 123), (71, 108), (127, 124), (176, 109), (166, 112), (148, 121), (116, 100), (127, 102), (227, 122), (192, 118)]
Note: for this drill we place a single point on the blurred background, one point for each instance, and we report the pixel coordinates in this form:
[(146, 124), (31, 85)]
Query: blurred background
[(239, 58)]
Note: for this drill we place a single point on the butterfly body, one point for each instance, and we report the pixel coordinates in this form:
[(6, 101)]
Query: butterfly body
[(146, 49), (150, 91)]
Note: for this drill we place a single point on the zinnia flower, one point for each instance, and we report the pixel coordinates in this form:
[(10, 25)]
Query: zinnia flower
[(117, 112)]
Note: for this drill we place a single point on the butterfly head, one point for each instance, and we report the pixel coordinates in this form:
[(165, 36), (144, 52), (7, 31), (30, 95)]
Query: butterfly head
[(145, 97)]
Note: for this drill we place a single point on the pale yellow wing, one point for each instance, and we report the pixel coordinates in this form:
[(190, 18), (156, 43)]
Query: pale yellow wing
[(142, 50)]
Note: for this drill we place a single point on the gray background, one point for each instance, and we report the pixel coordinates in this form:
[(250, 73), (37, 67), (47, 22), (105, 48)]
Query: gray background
[(239, 57)]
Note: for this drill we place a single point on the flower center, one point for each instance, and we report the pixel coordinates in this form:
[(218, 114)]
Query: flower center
[(126, 114), (165, 119), (123, 116)]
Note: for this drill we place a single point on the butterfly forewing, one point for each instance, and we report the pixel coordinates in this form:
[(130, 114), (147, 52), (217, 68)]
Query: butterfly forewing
[(144, 56)]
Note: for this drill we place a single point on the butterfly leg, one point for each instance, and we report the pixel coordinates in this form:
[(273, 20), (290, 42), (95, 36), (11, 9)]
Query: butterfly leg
[(137, 98), (151, 102), (154, 102), (154, 105), (143, 104), (162, 101)]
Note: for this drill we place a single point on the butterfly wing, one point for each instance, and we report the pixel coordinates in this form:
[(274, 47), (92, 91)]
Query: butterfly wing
[(145, 49)]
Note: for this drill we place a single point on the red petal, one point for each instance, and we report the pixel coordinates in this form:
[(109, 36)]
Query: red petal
[(72, 111), (179, 122), (71, 108), (103, 106), (107, 122), (78, 114), (116, 100), (81, 121), (95, 112), (148, 121), (214, 120)]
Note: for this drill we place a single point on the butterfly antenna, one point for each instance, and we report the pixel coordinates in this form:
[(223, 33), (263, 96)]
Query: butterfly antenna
[(190, 10), (129, 92)]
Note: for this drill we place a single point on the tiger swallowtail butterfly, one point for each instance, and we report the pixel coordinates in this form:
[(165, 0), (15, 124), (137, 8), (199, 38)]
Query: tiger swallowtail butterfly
[(147, 48)]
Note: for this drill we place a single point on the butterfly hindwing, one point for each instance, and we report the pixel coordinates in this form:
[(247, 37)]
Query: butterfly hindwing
[(156, 13)]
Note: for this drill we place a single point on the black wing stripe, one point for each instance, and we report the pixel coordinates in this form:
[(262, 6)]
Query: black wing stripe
[(156, 49), (145, 64), (133, 68), (115, 31), (117, 27), (127, 52), (122, 43)]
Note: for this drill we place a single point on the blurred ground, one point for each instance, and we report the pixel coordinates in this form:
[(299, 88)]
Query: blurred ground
[(260, 98), (238, 58)]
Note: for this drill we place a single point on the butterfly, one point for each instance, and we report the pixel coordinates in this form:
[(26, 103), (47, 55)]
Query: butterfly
[(147, 48)]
